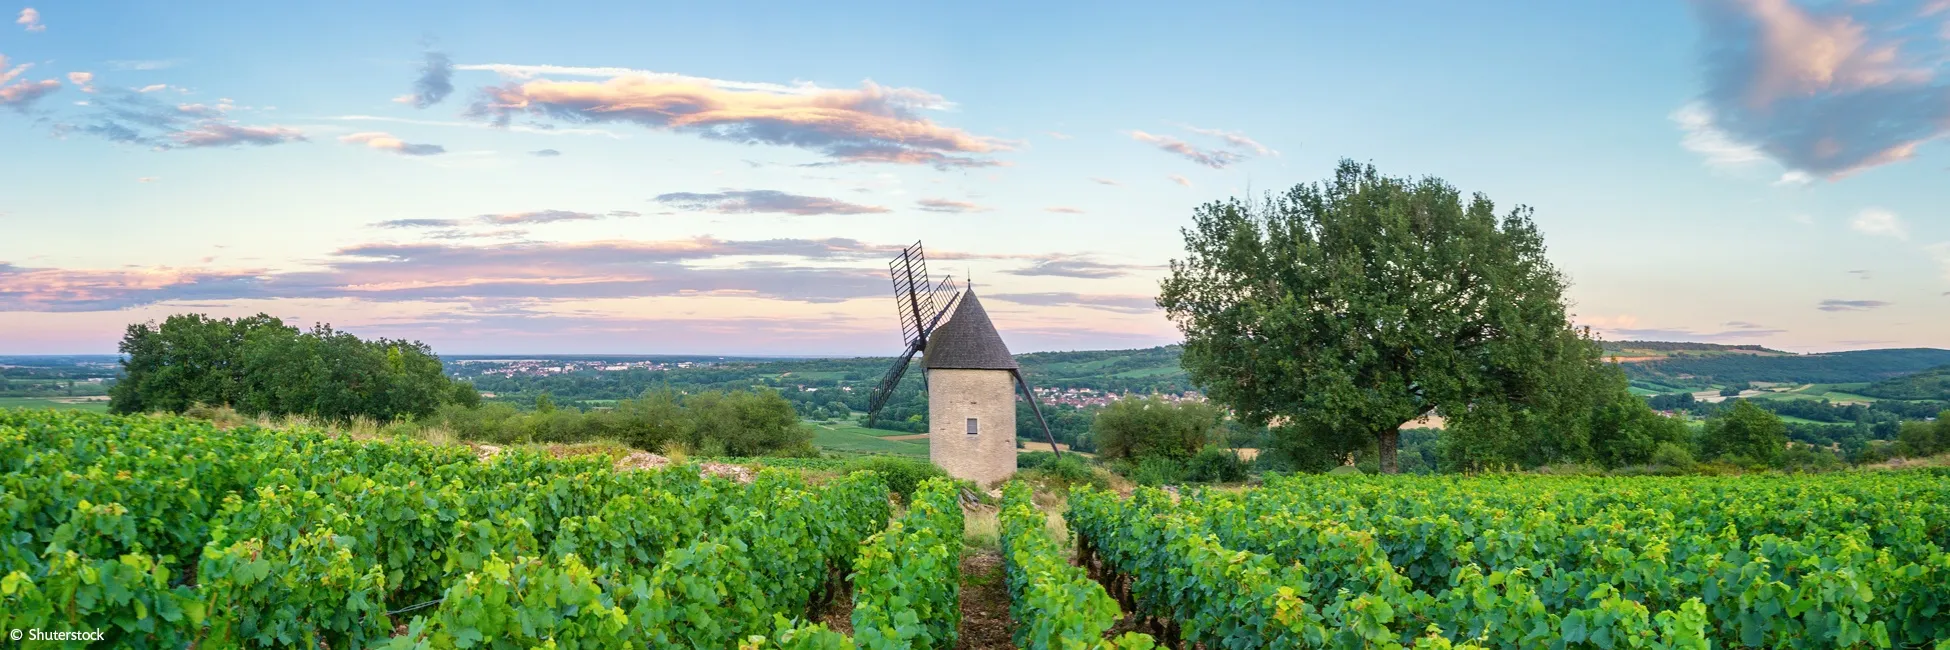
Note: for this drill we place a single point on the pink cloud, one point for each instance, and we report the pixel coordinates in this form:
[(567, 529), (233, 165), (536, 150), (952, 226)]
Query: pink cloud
[(870, 124), (30, 20), (1823, 91), (386, 142), (217, 134)]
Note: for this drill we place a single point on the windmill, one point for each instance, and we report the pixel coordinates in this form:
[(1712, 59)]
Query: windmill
[(981, 377)]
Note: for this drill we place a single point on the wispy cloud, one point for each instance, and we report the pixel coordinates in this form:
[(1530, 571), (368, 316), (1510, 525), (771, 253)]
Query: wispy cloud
[(1180, 180), (1127, 304), (435, 271), (1059, 136), (1860, 274), (1234, 139), (387, 142), (1832, 304), (1879, 222), (1237, 147), (509, 219), (435, 82), (1074, 267), (135, 118), (142, 65), (1063, 209), (82, 81), (1826, 91), (545, 153), (30, 20), (946, 205), (792, 270), (1702, 137), (219, 134), (870, 124), (749, 201), (539, 129), (1104, 181), (19, 95)]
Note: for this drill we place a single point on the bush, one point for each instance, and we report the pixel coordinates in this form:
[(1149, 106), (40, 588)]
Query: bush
[(1345, 470), (1807, 459), (902, 475), (1071, 470), (1157, 470), (1034, 459), (1673, 455), (1215, 464)]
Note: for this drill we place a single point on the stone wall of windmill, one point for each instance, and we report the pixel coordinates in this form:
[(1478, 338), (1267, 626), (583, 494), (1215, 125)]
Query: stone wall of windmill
[(972, 423)]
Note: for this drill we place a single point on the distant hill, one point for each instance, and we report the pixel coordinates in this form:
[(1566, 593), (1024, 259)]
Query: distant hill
[(1933, 384), (1634, 351), (1731, 365)]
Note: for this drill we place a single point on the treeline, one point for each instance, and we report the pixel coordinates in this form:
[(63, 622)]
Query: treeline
[(262, 367), (1828, 368), (1927, 385), (1145, 371), (712, 423)]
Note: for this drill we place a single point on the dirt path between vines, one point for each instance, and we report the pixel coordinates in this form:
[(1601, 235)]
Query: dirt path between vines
[(985, 623)]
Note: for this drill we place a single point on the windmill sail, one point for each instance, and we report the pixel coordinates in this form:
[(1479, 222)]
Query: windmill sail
[(921, 303)]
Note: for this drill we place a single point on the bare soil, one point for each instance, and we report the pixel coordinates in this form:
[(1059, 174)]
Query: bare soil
[(985, 622)]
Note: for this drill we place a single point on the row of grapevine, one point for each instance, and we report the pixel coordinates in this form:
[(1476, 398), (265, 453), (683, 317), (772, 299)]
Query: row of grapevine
[(1054, 605), (907, 580), (1534, 563)]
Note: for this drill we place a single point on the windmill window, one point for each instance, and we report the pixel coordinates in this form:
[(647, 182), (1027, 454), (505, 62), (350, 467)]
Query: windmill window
[(973, 426)]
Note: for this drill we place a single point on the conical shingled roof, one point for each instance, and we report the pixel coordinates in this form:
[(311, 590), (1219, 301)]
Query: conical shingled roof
[(968, 341)]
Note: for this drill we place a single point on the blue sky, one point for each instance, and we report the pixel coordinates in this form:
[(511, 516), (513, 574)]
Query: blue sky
[(614, 177)]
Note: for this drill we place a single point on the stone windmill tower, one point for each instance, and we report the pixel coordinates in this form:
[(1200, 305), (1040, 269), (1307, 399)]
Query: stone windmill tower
[(970, 376)]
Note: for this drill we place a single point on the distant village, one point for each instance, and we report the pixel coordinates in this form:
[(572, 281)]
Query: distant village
[(546, 367)]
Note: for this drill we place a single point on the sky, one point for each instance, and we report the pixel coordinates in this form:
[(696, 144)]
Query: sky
[(732, 178)]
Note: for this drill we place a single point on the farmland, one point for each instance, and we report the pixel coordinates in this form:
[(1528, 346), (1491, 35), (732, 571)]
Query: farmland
[(1842, 560)]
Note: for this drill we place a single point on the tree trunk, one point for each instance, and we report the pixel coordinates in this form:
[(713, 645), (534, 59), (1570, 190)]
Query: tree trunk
[(1389, 440)]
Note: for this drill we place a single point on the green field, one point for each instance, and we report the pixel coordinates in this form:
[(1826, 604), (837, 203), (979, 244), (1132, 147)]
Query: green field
[(854, 439), (51, 403)]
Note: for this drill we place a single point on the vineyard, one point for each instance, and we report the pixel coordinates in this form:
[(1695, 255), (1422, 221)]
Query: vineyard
[(165, 532), (1835, 561), (168, 533)]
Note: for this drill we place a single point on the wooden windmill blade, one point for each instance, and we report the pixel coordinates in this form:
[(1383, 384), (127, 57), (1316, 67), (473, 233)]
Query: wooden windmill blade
[(920, 304)]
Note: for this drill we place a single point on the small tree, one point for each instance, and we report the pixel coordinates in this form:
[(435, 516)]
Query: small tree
[(1745, 430), (1346, 308), (1153, 428), (1918, 438)]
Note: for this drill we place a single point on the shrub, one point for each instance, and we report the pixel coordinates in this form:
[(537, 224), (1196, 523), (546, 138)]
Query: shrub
[(1345, 470), (903, 475), (1215, 464), (1156, 470), (1071, 470), (1673, 455), (1034, 459)]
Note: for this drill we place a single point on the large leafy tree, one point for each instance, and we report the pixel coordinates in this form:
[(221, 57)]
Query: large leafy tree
[(1343, 309), (186, 360), (1745, 431)]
